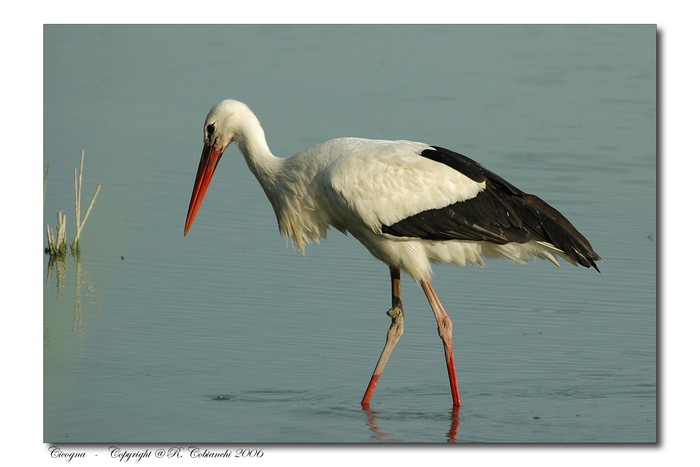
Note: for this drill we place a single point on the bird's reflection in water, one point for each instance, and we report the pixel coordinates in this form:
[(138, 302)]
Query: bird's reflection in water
[(454, 426), (374, 421)]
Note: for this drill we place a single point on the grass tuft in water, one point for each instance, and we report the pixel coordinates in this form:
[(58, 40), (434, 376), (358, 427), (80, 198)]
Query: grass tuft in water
[(57, 238)]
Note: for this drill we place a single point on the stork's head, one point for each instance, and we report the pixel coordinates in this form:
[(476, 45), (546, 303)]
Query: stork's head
[(228, 121)]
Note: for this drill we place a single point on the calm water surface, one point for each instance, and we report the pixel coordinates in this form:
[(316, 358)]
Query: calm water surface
[(229, 335)]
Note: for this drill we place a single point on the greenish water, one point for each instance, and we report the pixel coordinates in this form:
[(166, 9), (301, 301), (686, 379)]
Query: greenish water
[(228, 335)]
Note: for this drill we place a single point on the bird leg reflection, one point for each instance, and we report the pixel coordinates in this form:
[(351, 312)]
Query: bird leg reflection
[(374, 418), (393, 334), (454, 426)]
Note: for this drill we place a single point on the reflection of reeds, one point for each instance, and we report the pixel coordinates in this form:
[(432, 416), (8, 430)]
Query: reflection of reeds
[(57, 239), (59, 265)]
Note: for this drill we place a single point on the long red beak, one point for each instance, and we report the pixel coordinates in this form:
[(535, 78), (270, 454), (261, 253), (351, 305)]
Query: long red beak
[(205, 172)]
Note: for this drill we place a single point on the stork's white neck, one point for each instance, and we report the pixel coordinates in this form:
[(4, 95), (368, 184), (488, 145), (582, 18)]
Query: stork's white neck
[(285, 181), (264, 165)]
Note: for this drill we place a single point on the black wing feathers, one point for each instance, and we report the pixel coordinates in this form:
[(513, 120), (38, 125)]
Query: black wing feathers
[(500, 214)]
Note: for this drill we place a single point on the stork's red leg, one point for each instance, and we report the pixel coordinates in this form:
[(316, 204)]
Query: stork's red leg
[(444, 324), (392, 335)]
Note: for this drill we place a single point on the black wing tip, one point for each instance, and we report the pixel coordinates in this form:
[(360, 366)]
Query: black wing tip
[(587, 259), (594, 265)]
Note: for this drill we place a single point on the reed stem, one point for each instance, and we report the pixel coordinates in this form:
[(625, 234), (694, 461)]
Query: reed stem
[(46, 175), (78, 186)]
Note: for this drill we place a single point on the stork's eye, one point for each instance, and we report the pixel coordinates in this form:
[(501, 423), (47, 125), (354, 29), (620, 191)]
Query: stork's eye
[(210, 130)]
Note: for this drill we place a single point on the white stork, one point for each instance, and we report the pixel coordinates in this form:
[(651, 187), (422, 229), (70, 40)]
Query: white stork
[(410, 204)]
